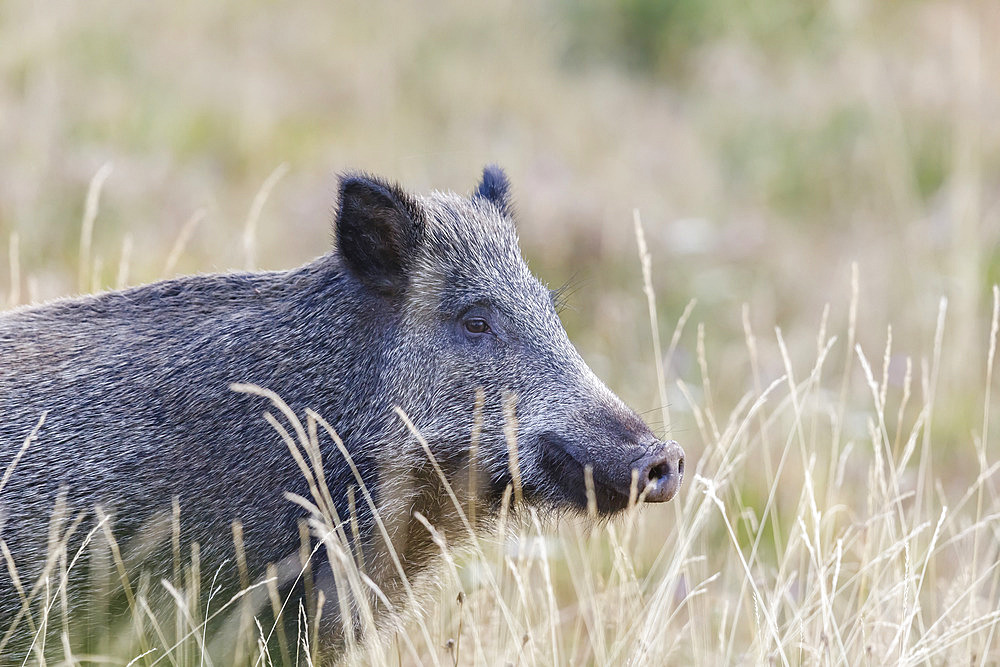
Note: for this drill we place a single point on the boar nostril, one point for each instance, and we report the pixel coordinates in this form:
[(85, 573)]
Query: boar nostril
[(660, 473)]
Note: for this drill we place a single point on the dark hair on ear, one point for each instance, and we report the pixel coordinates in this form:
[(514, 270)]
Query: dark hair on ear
[(494, 188), (378, 229)]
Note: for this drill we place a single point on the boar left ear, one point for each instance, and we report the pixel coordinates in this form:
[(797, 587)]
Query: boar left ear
[(495, 188), (378, 229)]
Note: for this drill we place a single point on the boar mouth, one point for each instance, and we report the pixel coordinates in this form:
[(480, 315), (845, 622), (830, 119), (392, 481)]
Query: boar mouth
[(565, 466)]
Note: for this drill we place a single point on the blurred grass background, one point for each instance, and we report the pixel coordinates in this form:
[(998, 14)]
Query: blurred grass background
[(767, 146)]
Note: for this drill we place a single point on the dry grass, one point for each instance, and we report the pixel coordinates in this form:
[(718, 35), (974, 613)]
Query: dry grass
[(815, 527)]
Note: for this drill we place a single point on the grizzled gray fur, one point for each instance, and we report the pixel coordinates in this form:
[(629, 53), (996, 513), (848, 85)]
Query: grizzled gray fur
[(425, 303)]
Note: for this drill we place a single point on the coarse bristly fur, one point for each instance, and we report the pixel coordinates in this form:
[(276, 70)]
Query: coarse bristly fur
[(425, 304)]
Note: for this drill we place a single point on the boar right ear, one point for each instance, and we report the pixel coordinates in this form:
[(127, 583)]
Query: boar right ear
[(378, 229)]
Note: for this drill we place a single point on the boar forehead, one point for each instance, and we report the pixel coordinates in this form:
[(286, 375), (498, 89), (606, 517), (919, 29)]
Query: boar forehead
[(470, 255)]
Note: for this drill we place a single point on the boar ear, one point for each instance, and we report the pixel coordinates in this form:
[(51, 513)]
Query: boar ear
[(495, 188), (378, 229)]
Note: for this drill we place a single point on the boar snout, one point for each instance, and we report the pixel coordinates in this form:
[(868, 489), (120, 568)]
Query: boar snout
[(660, 472)]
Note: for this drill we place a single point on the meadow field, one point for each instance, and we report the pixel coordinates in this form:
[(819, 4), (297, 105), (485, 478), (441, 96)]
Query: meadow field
[(778, 223)]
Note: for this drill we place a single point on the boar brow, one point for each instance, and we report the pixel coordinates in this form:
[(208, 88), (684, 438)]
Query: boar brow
[(478, 301)]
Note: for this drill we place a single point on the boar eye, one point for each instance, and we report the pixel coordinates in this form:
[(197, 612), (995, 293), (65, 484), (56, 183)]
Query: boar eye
[(476, 325)]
